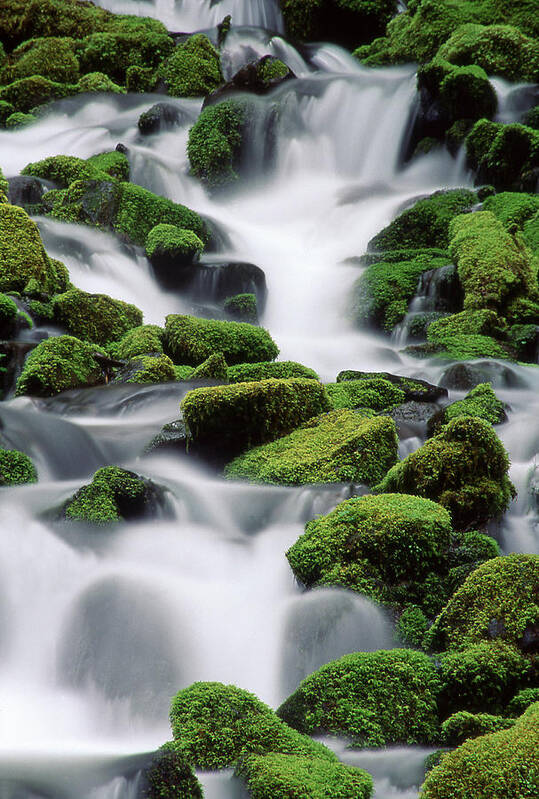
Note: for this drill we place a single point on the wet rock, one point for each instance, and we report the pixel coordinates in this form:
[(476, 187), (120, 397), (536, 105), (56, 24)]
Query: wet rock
[(173, 436), (257, 77), (161, 116), (464, 376), (25, 191), (216, 281), (415, 412)]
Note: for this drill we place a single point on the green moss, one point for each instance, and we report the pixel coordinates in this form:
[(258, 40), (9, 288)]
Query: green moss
[(480, 402), (462, 92), (8, 316), (246, 372), (65, 169), (97, 82), (531, 118), (28, 93), (464, 725), (140, 79), (95, 317), (412, 626), (140, 210), (16, 468), (151, 369), (504, 155), (114, 494), (242, 307), (112, 163), (58, 364), (190, 340), (498, 599), (214, 368), (183, 372), (52, 57), (376, 393), (271, 69), (464, 468), (374, 698), (138, 341), (6, 109), (413, 388), (499, 765), (171, 777), (372, 543), (522, 700), (20, 120), (341, 446), (215, 724), (113, 53), (294, 776), (174, 243), (215, 142), (232, 418), (193, 69), (463, 347)]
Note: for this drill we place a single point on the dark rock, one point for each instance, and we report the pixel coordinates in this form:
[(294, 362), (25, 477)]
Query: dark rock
[(414, 411), (214, 282), (121, 148), (464, 376), (414, 388), (160, 116), (25, 191), (441, 289), (530, 640), (250, 78), (496, 628), (173, 436)]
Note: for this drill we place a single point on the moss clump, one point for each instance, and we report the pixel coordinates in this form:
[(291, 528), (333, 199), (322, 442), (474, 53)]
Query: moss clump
[(497, 600), (215, 142), (20, 120), (341, 446), (498, 765), (229, 419), (16, 468), (464, 468), (168, 243), (461, 92), (149, 369), (58, 364), (271, 70), (242, 308), (95, 317), (521, 701), (140, 79), (413, 388), (247, 372), (347, 22), (504, 155), (464, 725), (214, 368), (97, 82), (8, 316), (114, 494), (214, 724), (190, 340), (512, 208), (22, 256), (112, 163), (52, 57), (171, 777), (284, 776), (480, 402), (377, 394), (65, 169), (374, 698), (114, 53), (6, 109), (372, 543), (183, 372), (28, 93), (138, 341), (482, 321), (193, 69), (412, 626)]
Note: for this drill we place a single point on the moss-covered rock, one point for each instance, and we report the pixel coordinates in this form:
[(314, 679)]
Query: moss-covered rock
[(285, 776), (58, 364), (228, 419), (500, 764), (114, 53), (147, 369), (190, 340), (412, 626), (193, 68), (52, 57), (8, 316), (512, 208), (20, 120), (215, 142), (27, 93), (464, 468), (499, 600), (374, 698), (6, 109), (450, 93), (111, 162), (242, 308), (16, 468), (213, 368), (170, 248), (214, 724), (97, 82), (95, 317), (505, 155), (247, 372), (114, 495), (375, 393), (481, 402), (141, 340), (170, 776), (464, 725), (413, 387), (348, 22), (65, 169), (467, 335), (341, 446)]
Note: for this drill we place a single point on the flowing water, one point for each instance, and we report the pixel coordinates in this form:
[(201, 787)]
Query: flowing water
[(99, 630)]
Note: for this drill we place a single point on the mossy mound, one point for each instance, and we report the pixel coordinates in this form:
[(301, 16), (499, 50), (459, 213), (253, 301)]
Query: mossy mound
[(215, 142), (498, 765), (16, 468), (51, 57), (20, 120), (113, 495), (147, 369), (229, 419), (513, 208), (214, 724), (27, 93), (469, 334), (522, 700), (169, 247), (193, 69), (375, 393), (374, 698), (460, 92), (371, 543), (58, 364), (341, 446), (170, 776), (95, 317), (213, 368), (480, 402), (138, 341), (10, 317), (247, 372), (499, 600), (463, 725), (293, 776), (464, 468), (242, 308), (504, 155), (118, 53), (190, 340), (412, 387), (347, 22)]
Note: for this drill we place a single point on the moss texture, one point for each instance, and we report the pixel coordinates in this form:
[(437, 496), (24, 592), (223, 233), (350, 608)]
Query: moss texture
[(193, 69), (113, 495), (480, 402), (464, 725), (16, 468), (95, 317), (140, 340), (341, 446), (375, 393), (150, 369), (242, 308), (246, 372), (213, 368), (504, 155), (58, 364), (173, 243), (215, 143), (171, 777)]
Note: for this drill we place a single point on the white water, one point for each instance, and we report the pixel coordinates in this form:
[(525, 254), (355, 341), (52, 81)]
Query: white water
[(98, 631)]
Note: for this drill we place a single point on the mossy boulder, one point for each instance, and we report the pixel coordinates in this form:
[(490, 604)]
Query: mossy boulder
[(504, 155), (95, 317), (8, 316), (413, 387), (114, 495), (481, 402), (156, 368), (247, 372), (169, 776), (375, 393), (158, 117), (215, 143), (214, 725), (52, 57), (467, 335), (111, 162), (140, 340), (373, 698), (169, 249), (27, 93), (97, 82), (58, 364), (65, 169), (347, 22), (16, 468), (341, 446), (225, 420), (213, 368), (114, 53), (462, 726), (20, 120), (464, 468), (499, 764), (498, 601), (193, 69), (242, 308), (283, 776), (190, 340)]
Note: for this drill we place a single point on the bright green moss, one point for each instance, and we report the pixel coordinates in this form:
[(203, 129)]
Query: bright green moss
[(95, 317), (413, 388), (64, 169), (8, 315), (499, 599), (193, 69), (480, 402), (174, 243), (246, 372), (242, 307), (20, 120), (371, 543), (464, 468), (113, 53), (190, 340), (482, 322), (138, 341), (464, 347), (140, 210), (113, 494), (376, 394), (462, 92), (214, 724), (214, 368), (141, 79), (112, 163), (293, 776), (500, 765), (504, 155), (51, 57), (522, 700), (512, 208), (58, 364), (272, 69), (6, 109), (464, 725), (16, 468), (151, 369), (183, 372), (171, 777), (28, 93), (97, 82), (215, 142), (341, 446), (233, 417), (374, 698), (412, 626)]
